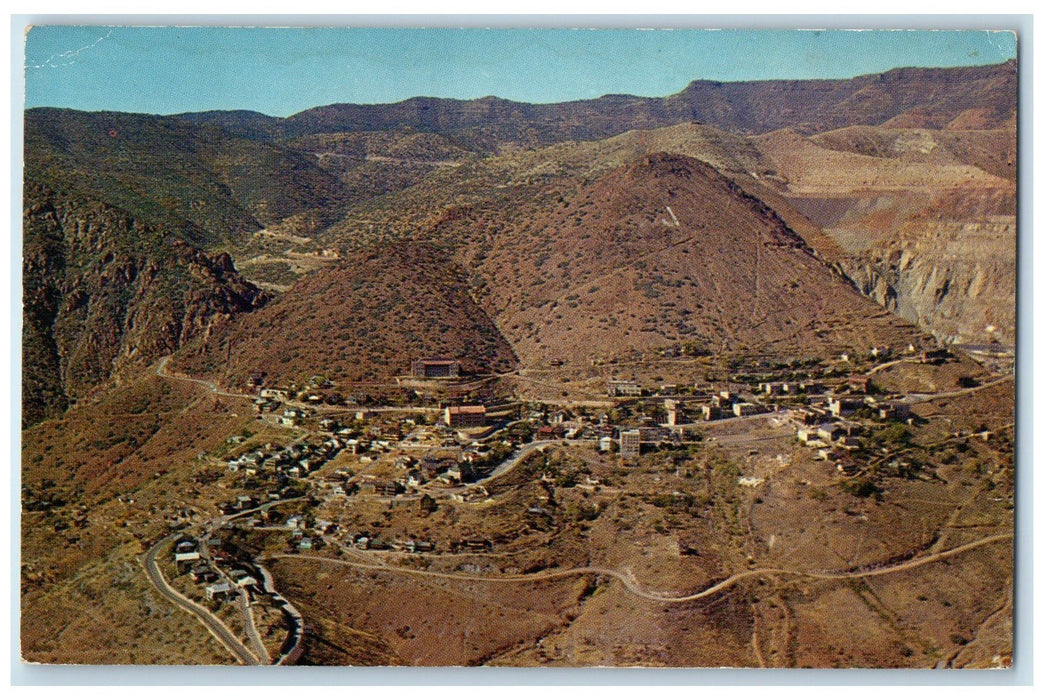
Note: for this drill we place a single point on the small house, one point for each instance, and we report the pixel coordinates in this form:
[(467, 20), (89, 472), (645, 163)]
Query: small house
[(746, 409), (201, 573), (849, 442), (772, 388), (630, 443), (621, 387), (893, 411), (217, 591), (710, 412), (859, 383), (279, 394), (845, 405), (830, 432), (185, 560)]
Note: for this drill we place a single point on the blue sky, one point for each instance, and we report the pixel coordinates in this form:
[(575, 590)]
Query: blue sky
[(165, 70)]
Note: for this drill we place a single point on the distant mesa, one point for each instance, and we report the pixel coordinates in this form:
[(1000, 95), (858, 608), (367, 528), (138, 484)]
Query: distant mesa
[(940, 95)]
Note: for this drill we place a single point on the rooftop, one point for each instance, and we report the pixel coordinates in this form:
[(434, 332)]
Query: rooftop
[(466, 409)]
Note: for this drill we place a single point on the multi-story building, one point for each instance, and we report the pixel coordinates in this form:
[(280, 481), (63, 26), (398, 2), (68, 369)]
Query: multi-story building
[(630, 443), (465, 416), (436, 368), (674, 413), (622, 387)]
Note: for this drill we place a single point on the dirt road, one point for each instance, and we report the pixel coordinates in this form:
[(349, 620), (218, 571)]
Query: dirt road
[(921, 398), (161, 371), (627, 579)]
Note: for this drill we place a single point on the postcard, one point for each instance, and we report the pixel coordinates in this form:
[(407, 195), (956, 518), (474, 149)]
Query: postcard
[(532, 347)]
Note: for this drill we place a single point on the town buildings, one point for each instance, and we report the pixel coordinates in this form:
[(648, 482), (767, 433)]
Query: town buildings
[(673, 412), (845, 406)]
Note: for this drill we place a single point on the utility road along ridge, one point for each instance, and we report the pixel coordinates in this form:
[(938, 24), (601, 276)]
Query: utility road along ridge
[(921, 398), (627, 579), (161, 371), (213, 388)]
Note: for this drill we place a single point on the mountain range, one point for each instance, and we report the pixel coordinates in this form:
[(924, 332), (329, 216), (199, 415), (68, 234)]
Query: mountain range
[(732, 217), (973, 97)]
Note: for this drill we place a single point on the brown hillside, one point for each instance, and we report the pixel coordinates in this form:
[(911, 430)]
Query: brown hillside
[(84, 594), (991, 150), (361, 322), (104, 294), (609, 272), (850, 194), (810, 168), (371, 164)]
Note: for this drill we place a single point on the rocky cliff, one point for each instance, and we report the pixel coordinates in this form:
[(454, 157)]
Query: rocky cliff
[(957, 280), (924, 221), (103, 293)]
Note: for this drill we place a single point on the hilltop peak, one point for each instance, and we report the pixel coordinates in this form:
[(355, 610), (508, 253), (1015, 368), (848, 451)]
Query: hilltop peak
[(663, 164)]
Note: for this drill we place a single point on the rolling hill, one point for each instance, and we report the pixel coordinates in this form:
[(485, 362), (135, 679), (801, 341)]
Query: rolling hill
[(198, 182), (363, 321), (548, 248), (560, 249), (662, 251)]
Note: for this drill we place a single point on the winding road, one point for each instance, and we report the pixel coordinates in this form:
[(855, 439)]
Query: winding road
[(214, 625), (296, 633), (161, 371), (224, 635), (213, 388), (251, 629), (629, 582)]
